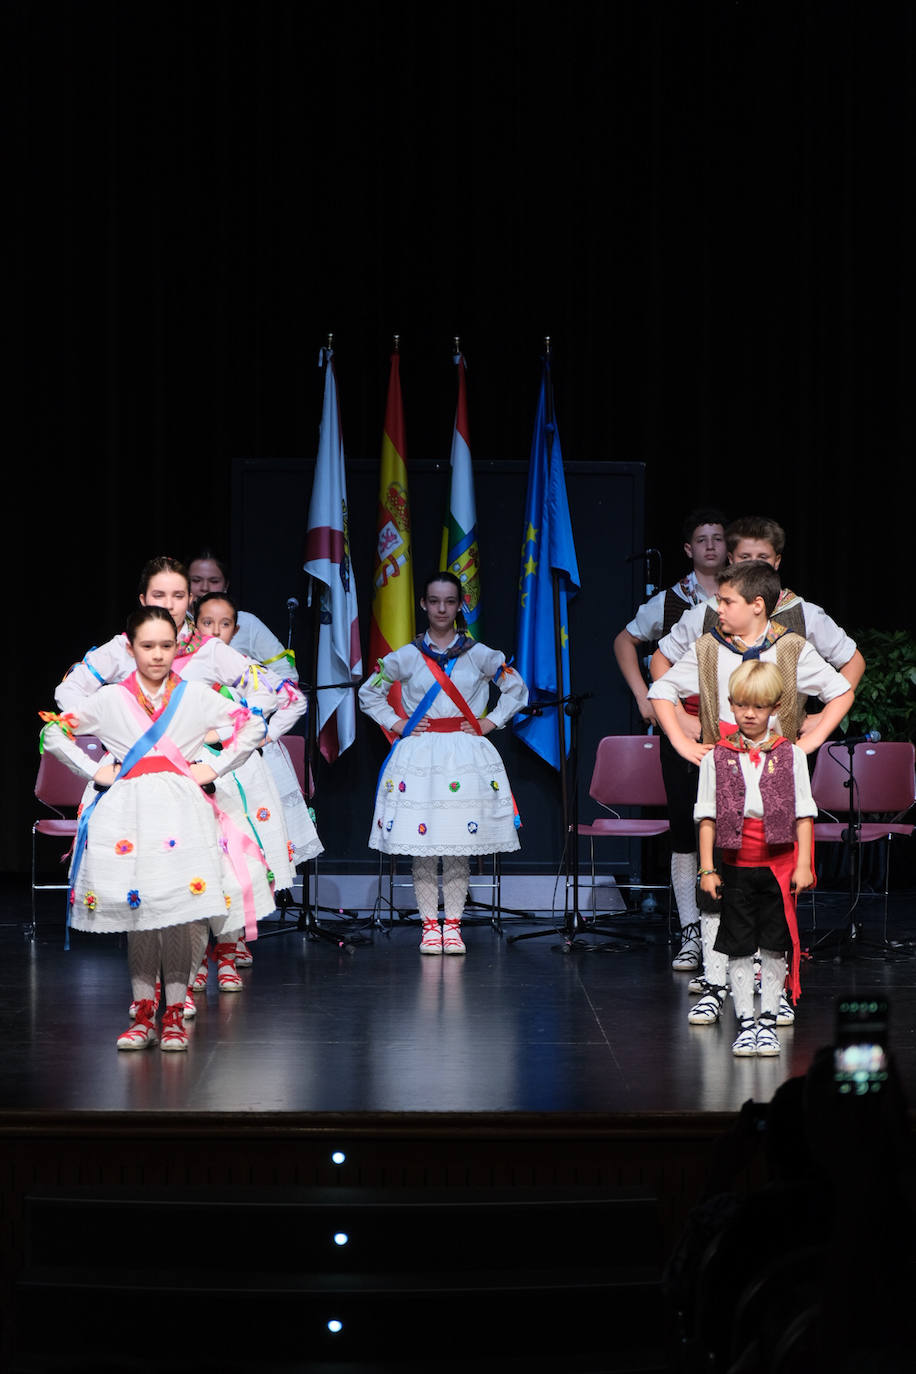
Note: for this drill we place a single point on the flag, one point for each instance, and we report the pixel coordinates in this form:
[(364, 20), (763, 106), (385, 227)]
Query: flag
[(460, 553), (547, 548), (327, 560), (393, 620)]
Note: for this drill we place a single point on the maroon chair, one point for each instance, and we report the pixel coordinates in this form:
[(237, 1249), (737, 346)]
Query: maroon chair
[(60, 790), (627, 772), (885, 783)]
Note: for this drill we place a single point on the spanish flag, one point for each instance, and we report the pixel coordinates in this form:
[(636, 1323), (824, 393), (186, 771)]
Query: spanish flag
[(393, 619)]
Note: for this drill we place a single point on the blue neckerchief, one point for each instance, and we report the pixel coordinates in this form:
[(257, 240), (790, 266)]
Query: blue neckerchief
[(134, 754), (413, 718)]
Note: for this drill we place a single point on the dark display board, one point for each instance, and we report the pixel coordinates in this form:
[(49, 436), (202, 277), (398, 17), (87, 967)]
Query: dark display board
[(270, 502)]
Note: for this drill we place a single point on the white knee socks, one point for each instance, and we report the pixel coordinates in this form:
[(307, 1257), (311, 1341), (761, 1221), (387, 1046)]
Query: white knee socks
[(741, 971), (426, 886), (684, 883), (772, 980), (715, 965), (455, 869)]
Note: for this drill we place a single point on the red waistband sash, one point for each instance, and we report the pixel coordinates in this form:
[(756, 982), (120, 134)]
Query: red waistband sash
[(150, 765), (444, 725), (780, 860), (237, 843)]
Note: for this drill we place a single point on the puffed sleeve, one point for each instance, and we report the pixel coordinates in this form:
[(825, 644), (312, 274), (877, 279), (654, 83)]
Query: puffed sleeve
[(705, 808), (248, 679), (513, 693), (373, 695), (248, 733), (58, 737), (110, 662)]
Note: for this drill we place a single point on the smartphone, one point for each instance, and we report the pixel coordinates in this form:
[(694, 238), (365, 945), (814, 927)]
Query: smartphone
[(860, 1045)]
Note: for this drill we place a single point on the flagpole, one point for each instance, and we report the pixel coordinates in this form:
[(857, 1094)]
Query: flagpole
[(557, 626)]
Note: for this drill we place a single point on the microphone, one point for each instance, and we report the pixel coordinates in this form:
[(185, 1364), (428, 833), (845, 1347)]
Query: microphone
[(292, 605), (870, 737)]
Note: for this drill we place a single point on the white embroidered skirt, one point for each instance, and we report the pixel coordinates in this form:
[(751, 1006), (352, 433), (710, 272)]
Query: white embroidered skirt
[(444, 794)]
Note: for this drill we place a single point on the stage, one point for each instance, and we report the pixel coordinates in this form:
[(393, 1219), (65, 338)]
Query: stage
[(512, 1028), (363, 1076)]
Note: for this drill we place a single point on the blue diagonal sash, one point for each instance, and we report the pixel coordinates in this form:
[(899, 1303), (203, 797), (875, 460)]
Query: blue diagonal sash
[(414, 717), (137, 751)]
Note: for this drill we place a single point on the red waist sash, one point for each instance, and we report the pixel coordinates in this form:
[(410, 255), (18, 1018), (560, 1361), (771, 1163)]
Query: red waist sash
[(444, 725), (152, 765)]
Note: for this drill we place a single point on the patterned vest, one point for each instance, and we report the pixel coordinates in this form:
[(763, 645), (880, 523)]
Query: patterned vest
[(787, 648), (777, 789)]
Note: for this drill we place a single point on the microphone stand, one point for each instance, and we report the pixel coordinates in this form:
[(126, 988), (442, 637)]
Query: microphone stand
[(308, 923), (851, 945), (574, 923)]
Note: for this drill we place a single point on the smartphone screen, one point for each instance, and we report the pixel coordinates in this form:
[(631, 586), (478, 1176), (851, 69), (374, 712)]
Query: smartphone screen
[(860, 1045)]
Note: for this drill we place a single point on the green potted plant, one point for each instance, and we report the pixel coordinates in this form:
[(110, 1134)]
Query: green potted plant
[(886, 696)]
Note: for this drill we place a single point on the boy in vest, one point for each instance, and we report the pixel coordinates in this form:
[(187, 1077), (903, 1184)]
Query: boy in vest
[(756, 537), (704, 544), (754, 804), (748, 594)]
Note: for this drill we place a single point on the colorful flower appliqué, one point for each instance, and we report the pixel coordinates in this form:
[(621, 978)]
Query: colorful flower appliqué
[(133, 898), (91, 900), (402, 786), (453, 786), (472, 827), (262, 813), (389, 825), (495, 785), (169, 843), (197, 886), (421, 829), (228, 901), (389, 785), (124, 847), (290, 851)]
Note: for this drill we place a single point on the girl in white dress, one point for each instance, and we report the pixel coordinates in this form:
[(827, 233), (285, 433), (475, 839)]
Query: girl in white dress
[(164, 583), (266, 786), (443, 792), (151, 857)]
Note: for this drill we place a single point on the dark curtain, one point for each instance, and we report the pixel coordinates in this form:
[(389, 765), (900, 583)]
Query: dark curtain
[(708, 207)]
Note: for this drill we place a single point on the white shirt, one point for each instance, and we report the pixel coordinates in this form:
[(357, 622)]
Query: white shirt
[(649, 621), (815, 677), (831, 642), (256, 641)]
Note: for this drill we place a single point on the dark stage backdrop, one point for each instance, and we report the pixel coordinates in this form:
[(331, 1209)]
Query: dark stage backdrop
[(605, 501), (708, 206)]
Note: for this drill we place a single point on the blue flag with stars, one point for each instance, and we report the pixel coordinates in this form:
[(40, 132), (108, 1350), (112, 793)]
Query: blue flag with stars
[(547, 547)]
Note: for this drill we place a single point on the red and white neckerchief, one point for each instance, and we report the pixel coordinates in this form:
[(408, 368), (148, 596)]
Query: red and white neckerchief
[(754, 749)]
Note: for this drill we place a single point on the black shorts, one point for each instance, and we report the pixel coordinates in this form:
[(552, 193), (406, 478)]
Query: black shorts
[(753, 912)]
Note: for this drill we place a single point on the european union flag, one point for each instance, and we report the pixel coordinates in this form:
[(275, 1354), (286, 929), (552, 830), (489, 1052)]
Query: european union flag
[(547, 549)]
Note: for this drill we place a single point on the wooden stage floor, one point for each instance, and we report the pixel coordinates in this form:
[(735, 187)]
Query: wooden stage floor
[(510, 1028)]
